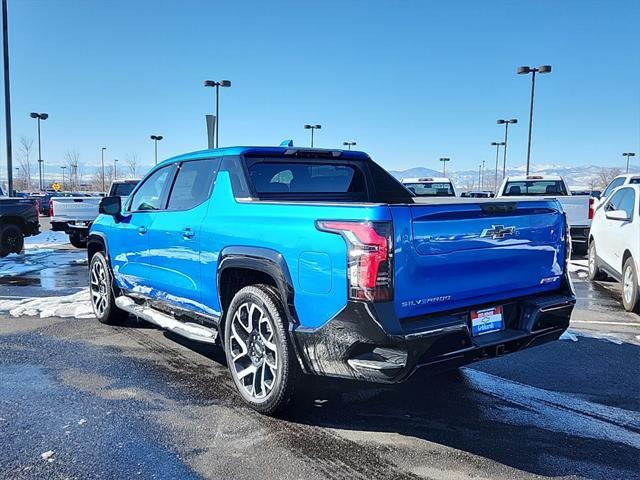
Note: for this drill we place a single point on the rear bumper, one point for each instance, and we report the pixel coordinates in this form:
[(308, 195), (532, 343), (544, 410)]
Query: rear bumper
[(69, 226), (579, 234), (354, 345)]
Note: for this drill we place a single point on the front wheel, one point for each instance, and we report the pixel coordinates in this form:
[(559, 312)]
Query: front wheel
[(630, 290), (11, 239), (102, 296), (260, 357)]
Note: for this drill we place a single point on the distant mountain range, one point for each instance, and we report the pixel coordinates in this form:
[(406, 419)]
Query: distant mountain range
[(585, 177)]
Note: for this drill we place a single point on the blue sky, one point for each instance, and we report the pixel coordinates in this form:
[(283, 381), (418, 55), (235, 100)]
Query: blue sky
[(410, 81)]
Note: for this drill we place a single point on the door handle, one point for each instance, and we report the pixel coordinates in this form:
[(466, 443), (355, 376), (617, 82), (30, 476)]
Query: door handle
[(142, 230), (188, 233)]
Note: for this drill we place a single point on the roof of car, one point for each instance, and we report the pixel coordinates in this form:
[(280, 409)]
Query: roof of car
[(266, 151), (524, 178), (426, 179)]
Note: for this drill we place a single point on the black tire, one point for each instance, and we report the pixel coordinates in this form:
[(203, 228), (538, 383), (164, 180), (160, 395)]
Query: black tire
[(78, 240), (630, 288), (266, 346), (579, 248), (101, 289), (11, 239), (594, 269)]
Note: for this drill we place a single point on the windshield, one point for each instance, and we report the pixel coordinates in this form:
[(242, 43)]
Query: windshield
[(535, 187), (122, 189), (441, 189)]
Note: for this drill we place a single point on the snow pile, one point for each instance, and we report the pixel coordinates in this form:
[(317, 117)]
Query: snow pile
[(580, 267), (77, 305), (46, 239)]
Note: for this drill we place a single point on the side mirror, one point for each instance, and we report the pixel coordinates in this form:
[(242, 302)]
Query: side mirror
[(619, 215), (110, 206)]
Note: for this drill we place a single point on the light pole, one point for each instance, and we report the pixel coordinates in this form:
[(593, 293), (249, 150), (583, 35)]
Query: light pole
[(444, 161), (348, 144), (115, 169), (497, 145), (482, 176), (523, 71), (628, 155), (221, 83), (102, 163), (506, 134), (312, 128), (40, 116), (156, 139), (7, 94), (62, 168)]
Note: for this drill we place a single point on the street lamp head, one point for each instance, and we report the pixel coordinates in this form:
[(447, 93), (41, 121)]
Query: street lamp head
[(225, 83), (318, 126), (628, 154), (307, 127), (500, 122), (104, 148), (444, 159), (493, 144), (34, 115), (544, 69), (513, 120), (523, 70), (209, 83), (159, 137), (44, 116)]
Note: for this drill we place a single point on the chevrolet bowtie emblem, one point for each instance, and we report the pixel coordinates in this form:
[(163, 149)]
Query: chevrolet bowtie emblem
[(498, 231)]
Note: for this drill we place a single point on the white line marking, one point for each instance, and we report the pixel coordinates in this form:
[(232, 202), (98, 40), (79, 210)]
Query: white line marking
[(598, 322)]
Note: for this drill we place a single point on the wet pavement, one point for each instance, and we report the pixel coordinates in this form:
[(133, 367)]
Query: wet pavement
[(135, 402)]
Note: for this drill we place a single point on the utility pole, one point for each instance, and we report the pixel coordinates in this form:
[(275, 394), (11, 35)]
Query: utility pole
[(7, 95)]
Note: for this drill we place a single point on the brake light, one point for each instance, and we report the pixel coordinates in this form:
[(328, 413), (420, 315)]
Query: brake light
[(50, 208), (534, 177), (369, 257), (592, 207)]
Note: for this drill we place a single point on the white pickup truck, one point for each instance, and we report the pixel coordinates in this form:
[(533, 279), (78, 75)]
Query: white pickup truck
[(579, 208), (74, 215)]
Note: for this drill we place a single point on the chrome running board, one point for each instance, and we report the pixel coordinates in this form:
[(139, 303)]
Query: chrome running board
[(192, 331)]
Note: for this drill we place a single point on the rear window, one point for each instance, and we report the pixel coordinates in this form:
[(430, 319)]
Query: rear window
[(635, 180), (535, 187), (122, 189), (304, 178), (431, 189)]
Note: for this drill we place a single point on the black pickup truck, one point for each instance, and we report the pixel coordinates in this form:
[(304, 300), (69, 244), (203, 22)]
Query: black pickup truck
[(18, 219)]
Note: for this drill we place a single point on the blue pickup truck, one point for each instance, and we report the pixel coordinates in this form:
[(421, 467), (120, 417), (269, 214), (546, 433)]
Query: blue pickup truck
[(318, 262)]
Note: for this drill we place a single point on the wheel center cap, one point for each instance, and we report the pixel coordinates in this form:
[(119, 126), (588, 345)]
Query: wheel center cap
[(256, 348), (103, 289)]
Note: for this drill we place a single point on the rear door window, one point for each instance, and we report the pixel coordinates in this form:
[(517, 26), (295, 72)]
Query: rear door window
[(193, 183)]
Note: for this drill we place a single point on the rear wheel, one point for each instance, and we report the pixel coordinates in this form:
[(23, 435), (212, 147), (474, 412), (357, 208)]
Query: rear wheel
[(630, 290), (101, 288), (78, 240), (11, 239), (260, 357), (594, 270)]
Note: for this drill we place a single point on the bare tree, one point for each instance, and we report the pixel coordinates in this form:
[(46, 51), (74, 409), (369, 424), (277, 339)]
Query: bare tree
[(608, 174), (25, 146), (132, 164), (97, 182), (72, 157)]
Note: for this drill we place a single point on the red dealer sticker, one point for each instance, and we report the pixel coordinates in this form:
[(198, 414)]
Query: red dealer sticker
[(486, 321)]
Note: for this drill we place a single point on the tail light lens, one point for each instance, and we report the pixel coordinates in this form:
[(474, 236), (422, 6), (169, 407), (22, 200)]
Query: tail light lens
[(50, 208), (369, 257), (592, 207)]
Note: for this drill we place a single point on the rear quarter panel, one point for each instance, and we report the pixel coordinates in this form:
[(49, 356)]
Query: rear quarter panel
[(317, 261)]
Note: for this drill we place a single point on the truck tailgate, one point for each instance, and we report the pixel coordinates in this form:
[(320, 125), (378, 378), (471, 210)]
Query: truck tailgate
[(450, 256), (75, 208)]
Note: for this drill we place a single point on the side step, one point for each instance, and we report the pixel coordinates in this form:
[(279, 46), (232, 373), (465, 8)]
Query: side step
[(192, 331)]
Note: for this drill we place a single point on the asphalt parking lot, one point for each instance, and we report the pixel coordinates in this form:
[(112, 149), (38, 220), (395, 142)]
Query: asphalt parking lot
[(82, 400)]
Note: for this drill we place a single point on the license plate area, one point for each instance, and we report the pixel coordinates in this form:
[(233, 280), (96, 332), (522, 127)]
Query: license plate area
[(487, 320)]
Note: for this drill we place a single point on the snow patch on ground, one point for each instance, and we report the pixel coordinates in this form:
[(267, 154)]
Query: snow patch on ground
[(579, 267), (46, 239), (567, 335), (77, 305)]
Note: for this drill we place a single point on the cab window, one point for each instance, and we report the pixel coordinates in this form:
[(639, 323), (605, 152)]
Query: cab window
[(193, 183), (149, 195)]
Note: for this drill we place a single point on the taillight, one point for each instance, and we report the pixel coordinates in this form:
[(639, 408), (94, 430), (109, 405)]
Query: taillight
[(369, 257), (592, 207), (50, 208)]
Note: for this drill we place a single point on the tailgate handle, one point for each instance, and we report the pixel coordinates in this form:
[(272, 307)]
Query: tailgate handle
[(142, 230)]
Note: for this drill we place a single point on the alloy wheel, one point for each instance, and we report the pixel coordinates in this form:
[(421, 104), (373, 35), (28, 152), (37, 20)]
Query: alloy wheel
[(254, 354), (99, 288), (628, 284)]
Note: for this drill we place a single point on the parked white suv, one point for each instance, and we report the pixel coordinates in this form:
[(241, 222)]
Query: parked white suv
[(614, 242)]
